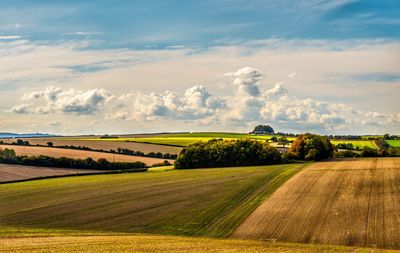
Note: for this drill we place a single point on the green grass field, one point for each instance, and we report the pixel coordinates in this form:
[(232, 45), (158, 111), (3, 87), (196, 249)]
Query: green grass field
[(184, 139), (201, 202), (157, 243), (394, 143), (356, 143)]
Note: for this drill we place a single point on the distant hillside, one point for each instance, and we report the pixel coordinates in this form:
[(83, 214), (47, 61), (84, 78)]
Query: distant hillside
[(14, 135)]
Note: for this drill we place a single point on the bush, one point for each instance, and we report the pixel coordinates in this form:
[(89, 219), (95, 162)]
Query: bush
[(288, 156), (224, 153), (369, 152), (346, 153), (345, 146), (312, 147), (165, 163), (393, 152)]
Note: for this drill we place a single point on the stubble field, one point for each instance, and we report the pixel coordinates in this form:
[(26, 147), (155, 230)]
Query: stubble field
[(347, 202), (157, 243)]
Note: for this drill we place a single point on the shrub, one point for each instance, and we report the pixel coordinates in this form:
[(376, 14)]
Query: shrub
[(369, 152), (224, 153), (345, 146), (287, 156), (165, 163), (393, 152), (312, 147), (346, 153)]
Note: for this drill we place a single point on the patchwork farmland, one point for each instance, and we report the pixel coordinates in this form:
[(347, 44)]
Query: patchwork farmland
[(347, 202), (350, 202), (105, 145), (80, 154)]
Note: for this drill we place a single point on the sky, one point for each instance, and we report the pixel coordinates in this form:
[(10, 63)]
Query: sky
[(95, 67)]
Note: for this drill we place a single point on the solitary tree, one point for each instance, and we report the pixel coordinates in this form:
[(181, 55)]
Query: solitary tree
[(274, 139), (283, 141), (50, 144)]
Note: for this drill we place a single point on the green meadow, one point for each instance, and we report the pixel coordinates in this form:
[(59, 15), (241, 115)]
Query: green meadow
[(201, 202)]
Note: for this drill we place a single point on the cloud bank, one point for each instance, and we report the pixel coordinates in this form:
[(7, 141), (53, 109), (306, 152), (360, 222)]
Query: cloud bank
[(249, 103)]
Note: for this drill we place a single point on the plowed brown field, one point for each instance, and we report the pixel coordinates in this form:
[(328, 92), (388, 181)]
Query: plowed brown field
[(346, 202), (101, 144), (80, 154)]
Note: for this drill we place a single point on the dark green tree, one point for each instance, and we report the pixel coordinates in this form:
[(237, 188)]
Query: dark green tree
[(263, 129), (224, 153)]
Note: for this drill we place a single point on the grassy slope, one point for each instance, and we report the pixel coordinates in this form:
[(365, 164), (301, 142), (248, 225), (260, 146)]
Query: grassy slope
[(156, 243), (208, 202), (394, 143)]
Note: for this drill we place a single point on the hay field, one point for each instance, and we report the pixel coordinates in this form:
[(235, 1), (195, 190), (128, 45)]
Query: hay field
[(394, 143), (11, 172), (158, 243), (80, 154), (346, 202), (105, 145), (210, 202), (356, 143)]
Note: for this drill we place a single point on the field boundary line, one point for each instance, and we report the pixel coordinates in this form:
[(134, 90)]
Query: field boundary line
[(72, 175)]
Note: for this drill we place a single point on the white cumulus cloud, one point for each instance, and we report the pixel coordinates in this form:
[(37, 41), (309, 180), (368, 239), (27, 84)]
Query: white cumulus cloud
[(249, 103), (21, 109), (69, 101)]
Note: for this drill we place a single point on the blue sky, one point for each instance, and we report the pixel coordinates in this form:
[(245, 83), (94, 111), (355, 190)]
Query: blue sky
[(153, 62), (161, 23)]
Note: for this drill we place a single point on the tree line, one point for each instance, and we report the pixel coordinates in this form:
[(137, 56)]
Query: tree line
[(123, 151), (246, 152), (9, 156), (226, 153)]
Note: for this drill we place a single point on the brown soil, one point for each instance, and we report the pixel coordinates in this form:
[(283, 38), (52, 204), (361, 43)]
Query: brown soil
[(105, 145), (80, 154)]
